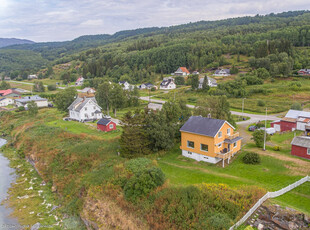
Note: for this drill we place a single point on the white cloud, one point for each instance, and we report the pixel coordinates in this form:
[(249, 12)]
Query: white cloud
[(45, 20)]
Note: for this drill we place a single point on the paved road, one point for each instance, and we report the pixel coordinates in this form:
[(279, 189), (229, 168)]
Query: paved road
[(253, 117)]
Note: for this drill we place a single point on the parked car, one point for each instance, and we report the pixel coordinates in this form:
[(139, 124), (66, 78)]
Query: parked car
[(252, 128), (269, 131), (107, 116)]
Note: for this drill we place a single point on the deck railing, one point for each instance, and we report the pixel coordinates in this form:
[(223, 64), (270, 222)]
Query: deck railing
[(230, 137)]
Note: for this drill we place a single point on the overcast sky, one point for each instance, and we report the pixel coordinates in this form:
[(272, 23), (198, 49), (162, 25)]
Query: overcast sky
[(55, 20)]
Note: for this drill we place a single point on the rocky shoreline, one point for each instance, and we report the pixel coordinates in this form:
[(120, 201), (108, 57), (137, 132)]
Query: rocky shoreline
[(277, 218)]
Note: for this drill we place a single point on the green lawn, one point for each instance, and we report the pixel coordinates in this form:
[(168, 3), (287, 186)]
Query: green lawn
[(79, 128), (272, 174)]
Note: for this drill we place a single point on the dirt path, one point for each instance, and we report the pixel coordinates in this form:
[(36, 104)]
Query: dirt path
[(300, 167), (210, 172)]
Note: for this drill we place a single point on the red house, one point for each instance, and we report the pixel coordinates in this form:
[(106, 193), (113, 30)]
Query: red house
[(301, 147), (106, 125), (285, 124)]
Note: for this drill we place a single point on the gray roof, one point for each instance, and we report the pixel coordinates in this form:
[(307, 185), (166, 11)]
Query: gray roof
[(30, 98), (203, 126), (80, 102), (167, 81), (230, 141), (296, 113), (225, 70), (301, 141), (212, 80), (103, 121)]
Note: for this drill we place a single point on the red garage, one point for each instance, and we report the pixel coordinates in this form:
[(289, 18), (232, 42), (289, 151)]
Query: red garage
[(106, 125), (285, 124), (301, 147)]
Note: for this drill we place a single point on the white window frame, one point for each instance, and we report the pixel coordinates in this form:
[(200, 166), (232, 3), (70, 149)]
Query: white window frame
[(228, 133), (189, 153), (220, 134), (202, 149), (220, 145), (308, 151), (189, 146), (111, 126), (235, 144), (85, 108)]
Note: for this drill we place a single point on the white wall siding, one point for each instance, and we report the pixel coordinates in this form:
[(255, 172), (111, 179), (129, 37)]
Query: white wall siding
[(199, 157), (301, 126)]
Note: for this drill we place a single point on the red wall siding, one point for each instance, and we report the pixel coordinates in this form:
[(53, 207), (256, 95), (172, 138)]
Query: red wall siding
[(273, 123), (300, 151), (106, 128), (287, 126)]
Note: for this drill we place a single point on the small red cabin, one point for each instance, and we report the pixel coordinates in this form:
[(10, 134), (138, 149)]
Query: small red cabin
[(301, 147), (106, 125)]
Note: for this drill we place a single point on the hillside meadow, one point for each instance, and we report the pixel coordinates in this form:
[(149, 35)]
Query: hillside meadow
[(85, 171)]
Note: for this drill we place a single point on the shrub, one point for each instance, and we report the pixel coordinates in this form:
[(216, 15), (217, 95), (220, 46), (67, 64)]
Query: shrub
[(260, 103), (143, 183), (258, 137), (21, 108), (51, 87), (296, 106), (220, 221), (276, 148), (138, 164), (153, 89), (251, 158)]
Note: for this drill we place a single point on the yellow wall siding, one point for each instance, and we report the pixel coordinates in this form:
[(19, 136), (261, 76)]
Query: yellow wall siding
[(198, 139), (212, 142)]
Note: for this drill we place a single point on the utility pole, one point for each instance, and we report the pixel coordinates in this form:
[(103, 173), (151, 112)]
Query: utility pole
[(265, 131), (242, 106), (149, 97), (174, 96)]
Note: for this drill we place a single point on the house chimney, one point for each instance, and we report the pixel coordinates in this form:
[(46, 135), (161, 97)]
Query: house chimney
[(209, 115)]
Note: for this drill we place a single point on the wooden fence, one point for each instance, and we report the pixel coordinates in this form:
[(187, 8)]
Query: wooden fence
[(267, 196)]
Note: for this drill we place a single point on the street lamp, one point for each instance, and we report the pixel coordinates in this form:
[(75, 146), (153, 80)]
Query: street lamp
[(242, 106)]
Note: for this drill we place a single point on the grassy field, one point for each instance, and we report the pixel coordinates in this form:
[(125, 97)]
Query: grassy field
[(277, 170), (278, 96)]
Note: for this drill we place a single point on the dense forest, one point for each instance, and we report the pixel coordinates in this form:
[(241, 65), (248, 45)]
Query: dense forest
[(275, 42)]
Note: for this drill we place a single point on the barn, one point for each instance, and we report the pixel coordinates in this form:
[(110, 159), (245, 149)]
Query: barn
[(285, 124), (301, 147), (106, 125)]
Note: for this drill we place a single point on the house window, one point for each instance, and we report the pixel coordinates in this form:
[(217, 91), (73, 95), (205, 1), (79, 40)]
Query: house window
[(228, 131), (94, 107), (220, 145), (189, 153), (111, 126), (235, 144), (204, 147), (308, 151), (92, 114), (85, 108), (220, 134), (190, 144)]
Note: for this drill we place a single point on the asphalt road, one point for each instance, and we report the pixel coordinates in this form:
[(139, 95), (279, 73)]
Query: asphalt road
[(253, 117)]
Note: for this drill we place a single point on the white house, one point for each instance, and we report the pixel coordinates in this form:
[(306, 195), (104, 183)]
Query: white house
[(126, 85), (211, 82), (85, 109), (41, 102), (146, 86), (88, 90), (32, 76), (181, 71), (6, 101), (79, 81), (167, 83), (222, 73)]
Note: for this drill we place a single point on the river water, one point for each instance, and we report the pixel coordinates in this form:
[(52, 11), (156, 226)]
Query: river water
[(7, 176)]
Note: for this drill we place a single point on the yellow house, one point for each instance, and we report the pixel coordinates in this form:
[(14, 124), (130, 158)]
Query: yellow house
[(209, 140)]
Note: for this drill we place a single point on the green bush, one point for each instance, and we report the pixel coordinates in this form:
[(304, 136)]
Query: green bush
[(260, 103), (138, 164), (220, 221), (251, 158), (276, 148), (20, 108), (296, 106), (143, 183), (51, 87), (153, 89)]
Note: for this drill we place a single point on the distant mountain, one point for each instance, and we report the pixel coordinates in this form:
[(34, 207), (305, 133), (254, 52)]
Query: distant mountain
[(13, 41)]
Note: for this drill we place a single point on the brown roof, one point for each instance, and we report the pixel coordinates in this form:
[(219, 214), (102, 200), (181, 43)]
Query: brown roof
[(288, 119)]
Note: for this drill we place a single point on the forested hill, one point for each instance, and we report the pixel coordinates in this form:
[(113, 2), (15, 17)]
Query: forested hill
[(137, 54), (13, 41)]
